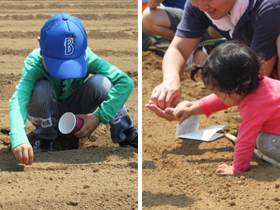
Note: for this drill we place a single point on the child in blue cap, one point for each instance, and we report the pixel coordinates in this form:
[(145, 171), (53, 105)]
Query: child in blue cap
[(55, 79)]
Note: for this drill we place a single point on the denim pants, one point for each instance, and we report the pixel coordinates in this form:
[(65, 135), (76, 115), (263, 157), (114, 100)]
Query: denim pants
[(45, 109)]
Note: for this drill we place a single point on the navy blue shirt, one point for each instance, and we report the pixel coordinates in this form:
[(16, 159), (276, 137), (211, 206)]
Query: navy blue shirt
[(174, 3), (258, 27)]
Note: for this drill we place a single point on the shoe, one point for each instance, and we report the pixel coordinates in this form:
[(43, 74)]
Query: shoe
[(131, 138), (65, 142), (160, 42), (210, 44), (146, 42), (42, 146)]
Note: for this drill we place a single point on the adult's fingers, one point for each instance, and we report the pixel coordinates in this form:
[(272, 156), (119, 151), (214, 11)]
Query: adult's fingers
[(155, 95), (169, 110), (162, 100), (172, 98), (159, 112)]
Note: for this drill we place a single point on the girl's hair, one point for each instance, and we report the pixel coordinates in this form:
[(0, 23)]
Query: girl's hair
[(231, 67)]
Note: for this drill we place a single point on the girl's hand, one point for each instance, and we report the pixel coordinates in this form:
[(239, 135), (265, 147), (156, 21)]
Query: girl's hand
[(181, 112), (225, 169)]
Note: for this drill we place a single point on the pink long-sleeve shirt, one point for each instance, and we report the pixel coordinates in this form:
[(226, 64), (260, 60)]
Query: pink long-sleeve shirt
[(259, 111)]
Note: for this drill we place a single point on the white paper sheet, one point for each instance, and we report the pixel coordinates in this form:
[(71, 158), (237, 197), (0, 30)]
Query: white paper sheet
[(189, 130)]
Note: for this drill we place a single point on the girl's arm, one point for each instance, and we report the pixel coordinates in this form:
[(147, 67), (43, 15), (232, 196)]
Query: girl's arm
[(206, 105), (252, 119), (211, 104)]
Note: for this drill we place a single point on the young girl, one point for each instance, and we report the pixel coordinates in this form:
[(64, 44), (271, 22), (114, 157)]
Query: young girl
[(231, 72)]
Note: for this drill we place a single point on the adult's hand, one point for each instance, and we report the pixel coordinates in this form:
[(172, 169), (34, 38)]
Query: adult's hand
[(91, 122), (24, 154), (159, 112), (167, 94)]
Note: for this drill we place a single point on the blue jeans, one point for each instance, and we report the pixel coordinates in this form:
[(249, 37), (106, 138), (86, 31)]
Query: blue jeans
[(45, 109)]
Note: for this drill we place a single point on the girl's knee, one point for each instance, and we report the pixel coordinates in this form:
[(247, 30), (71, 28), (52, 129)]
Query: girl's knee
[(269, 145)]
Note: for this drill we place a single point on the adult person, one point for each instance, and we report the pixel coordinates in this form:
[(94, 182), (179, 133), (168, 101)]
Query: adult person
[(249, 21), (162, 20), (161, 17)]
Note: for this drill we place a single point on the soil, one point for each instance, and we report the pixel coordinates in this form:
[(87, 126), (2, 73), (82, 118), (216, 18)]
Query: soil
[(180, 174), (100, 174)]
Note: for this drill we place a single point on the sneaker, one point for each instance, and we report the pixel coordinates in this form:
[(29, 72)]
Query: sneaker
[(160, 42), (131, 138), (146, 42), (42, 146), (66, 142)]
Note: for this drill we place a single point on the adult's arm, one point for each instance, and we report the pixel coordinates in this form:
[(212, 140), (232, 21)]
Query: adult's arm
[(267, 67), (266, 32), (168, 93)]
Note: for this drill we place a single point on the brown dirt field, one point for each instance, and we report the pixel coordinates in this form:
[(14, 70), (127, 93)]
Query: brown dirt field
[(180, 174), (98, 175)]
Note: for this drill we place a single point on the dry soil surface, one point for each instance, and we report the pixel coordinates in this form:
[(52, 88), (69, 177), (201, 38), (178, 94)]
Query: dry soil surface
[(180, 174), (98, 175)]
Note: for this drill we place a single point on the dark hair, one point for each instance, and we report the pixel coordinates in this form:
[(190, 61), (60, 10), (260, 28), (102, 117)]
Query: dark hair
[(231, 67)]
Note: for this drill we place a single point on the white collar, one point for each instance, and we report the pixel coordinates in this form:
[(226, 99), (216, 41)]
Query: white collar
[(228, 22)]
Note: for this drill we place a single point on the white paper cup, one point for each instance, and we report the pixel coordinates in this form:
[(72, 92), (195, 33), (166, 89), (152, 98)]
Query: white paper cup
[(69, 123)]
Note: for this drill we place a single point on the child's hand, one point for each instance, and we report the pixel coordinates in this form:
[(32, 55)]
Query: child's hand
[(185, 104), (91, 122), (225, 169), (24, 154), (181, 112)]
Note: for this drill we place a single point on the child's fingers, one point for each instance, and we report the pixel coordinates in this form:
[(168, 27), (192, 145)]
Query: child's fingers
[(31, 156), (220, 170), (224, 169), (181, 119), (18, 155)]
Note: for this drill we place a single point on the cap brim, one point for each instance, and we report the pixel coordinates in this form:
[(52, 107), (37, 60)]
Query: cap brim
[(67, 69)]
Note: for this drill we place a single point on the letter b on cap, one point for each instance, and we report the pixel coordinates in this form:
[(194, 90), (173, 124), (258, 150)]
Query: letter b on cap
[(68, 44)]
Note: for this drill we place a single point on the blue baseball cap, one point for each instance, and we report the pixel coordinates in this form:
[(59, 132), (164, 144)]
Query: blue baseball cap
[(63, 42)]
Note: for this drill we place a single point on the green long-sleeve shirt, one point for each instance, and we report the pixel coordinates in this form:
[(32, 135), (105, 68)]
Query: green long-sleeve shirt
[(33, 70)]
